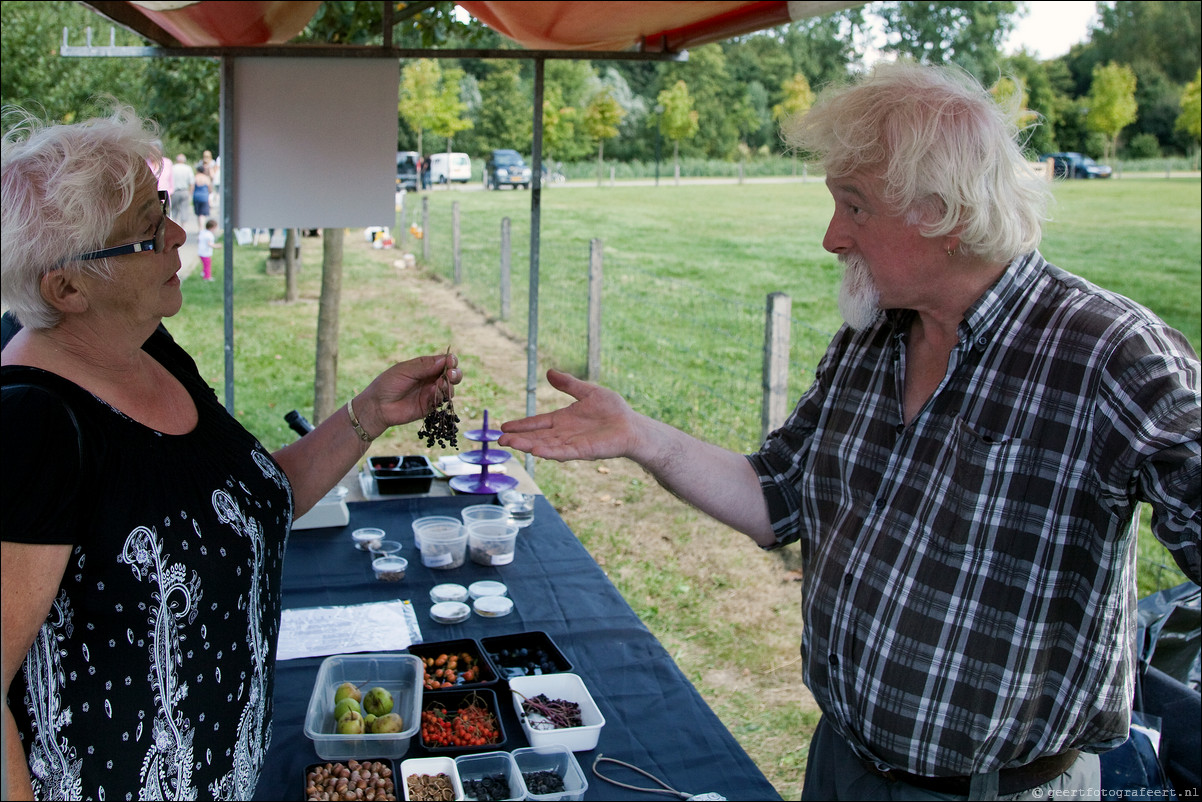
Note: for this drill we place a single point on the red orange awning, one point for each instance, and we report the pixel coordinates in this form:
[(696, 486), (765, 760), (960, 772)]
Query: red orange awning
[(612, 25)]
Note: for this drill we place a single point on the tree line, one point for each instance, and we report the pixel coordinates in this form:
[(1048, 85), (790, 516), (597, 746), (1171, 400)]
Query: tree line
[(1131, 90)]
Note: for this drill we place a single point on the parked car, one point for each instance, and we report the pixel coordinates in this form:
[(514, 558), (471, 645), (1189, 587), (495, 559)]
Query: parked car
[(506, 168), (406, 170), (446, 167), (1077, 165)]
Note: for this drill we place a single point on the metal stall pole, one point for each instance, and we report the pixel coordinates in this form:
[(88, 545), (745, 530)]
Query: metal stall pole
[(228, 160), (536, 199)]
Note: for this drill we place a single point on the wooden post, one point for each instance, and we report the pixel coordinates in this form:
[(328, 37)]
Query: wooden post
[(426, 229), (594, 309), (505, 268), (455, 242), (776, 362)]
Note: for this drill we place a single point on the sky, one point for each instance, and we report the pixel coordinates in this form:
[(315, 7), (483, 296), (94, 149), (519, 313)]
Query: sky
[(1051, 27)]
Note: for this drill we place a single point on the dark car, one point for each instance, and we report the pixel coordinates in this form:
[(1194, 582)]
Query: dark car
[(406, 170), (506, 168), (1077, 165)]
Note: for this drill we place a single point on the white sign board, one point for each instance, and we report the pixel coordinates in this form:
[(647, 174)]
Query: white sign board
[(314, 143)]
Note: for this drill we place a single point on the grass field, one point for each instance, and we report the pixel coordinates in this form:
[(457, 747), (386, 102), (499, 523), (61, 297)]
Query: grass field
[(688, 265)]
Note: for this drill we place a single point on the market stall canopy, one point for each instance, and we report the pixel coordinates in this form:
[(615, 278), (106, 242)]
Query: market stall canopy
[(614, 25)]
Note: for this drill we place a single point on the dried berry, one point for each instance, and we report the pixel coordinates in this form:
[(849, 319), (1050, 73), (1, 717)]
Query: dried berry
[(439, 425), (543, 782)]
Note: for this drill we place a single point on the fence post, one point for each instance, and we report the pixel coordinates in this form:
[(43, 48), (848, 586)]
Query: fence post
[(505, 270), (426, 229), (740, 172), (455, 242), (594, 310), (776, 362)]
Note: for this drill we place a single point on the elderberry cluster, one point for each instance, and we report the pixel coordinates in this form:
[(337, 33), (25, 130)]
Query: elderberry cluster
[(439, 426)]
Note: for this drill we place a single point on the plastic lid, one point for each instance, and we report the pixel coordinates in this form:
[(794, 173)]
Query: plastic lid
[(448, 593), (389, 567), (487, 587), (493, 606), (365, 538), (450, 612)]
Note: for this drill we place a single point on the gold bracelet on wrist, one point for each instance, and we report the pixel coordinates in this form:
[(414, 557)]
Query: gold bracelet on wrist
[(359, 430)]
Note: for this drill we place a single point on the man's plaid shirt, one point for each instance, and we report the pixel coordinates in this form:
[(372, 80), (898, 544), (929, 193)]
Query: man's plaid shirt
[(969, 579)]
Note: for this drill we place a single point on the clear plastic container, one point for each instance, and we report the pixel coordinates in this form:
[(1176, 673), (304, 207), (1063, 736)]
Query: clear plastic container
[(444, 545), (554, 758), (367, 538), (421, 524), (449, 592), (519, 505), (490, 764), (450, 613), (493, 606), (389, 569), (484, 513), (492, 543), (486, 587), (386, 548), (400, 674)]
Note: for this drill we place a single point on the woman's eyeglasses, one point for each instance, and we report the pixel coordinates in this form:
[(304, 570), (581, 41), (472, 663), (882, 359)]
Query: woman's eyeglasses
[(157, 244)]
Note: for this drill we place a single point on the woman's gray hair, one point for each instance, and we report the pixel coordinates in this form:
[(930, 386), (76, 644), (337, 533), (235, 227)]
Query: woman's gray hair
[(62, 188), (947, 151)]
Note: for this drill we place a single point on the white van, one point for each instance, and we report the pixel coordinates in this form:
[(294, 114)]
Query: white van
[(458, 170)]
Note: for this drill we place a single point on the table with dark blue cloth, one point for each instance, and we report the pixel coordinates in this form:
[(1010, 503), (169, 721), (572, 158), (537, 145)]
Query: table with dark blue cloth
[(654, 717)]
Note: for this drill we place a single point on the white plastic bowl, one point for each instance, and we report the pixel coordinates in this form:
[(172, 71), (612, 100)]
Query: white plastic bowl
[(569, 688), (432, 766)]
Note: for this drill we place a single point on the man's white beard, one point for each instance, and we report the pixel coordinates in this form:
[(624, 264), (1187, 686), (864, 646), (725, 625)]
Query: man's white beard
[(859, 299)]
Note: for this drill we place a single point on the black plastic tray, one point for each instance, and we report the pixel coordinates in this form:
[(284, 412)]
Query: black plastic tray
[(533, 642), (488, 674), (401, 475), (451, 700)]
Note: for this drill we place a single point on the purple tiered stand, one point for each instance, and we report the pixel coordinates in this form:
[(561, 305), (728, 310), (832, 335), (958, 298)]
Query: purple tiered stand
[(483, 483)]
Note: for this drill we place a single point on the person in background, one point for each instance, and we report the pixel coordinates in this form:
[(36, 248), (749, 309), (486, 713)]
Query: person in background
[(205, 242), (184, 178), (202, 187), (964, 473), (144, 532)]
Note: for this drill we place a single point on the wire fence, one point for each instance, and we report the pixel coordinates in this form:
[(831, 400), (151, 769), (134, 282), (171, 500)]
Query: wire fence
[(675, 350)]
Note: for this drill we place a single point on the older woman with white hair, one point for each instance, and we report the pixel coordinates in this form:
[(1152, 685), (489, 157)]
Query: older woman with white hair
[(144, 531)]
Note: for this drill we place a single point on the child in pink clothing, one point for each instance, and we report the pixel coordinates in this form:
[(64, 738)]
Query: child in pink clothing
[(204, 248)]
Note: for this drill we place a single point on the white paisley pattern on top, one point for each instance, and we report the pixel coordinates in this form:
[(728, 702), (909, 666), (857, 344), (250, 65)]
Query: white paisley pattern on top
[(54, 765), (167, 767), (253, 742)]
